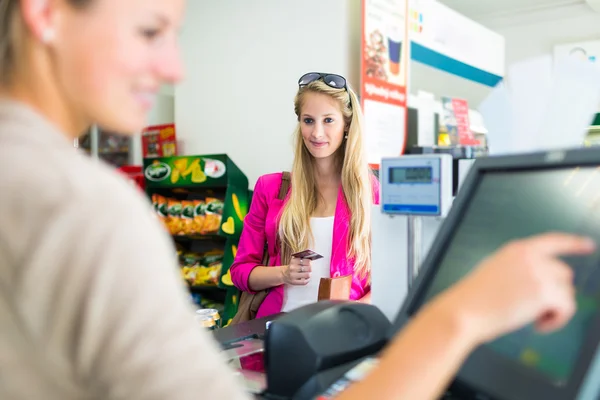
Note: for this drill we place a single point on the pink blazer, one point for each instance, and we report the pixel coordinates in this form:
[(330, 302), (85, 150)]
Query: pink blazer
[(261, 225)]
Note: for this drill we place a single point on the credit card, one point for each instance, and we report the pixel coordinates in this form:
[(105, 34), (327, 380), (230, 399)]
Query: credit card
[(307, 255)]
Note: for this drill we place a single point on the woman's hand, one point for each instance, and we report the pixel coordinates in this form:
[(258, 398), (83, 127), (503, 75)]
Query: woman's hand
[(297, 273), (523, 282)]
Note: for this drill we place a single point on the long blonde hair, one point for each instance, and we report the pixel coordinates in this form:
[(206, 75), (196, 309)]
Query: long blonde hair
[(294, 223)]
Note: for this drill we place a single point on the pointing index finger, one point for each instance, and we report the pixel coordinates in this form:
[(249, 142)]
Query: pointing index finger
[(554, 244)]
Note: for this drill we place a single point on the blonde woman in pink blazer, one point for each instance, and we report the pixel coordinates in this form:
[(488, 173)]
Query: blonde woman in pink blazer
[(327, 209)]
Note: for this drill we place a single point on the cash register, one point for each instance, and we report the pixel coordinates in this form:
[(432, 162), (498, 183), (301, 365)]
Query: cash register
[(502, 199)]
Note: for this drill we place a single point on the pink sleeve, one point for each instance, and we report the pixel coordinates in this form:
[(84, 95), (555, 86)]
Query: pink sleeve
[(252, 241), (375, 187)]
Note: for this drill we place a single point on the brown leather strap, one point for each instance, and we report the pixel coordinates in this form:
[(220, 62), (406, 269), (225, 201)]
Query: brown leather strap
[(286, 180)]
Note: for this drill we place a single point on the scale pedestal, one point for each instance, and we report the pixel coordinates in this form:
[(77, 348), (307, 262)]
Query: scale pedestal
[(416, 193)]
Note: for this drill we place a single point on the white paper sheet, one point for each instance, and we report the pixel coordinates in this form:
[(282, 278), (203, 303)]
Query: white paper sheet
[(529, 83), (426, 119), (497, 113)]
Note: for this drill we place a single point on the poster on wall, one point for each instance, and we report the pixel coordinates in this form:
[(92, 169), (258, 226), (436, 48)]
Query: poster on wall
[(384, 73)]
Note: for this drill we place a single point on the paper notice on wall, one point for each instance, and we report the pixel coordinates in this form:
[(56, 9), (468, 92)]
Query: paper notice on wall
[(542, 106), (385, 126), (529, 83), (426, 135), (497, 113)]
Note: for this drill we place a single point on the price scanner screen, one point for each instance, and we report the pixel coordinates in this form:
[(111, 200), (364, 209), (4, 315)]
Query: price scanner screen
[(519, 204), (410, 175)]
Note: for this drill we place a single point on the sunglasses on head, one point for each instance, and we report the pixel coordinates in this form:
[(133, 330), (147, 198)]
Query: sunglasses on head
[(331, 80)]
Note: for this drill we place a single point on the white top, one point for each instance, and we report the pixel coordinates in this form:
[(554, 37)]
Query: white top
[(92, 303), (296, 296)]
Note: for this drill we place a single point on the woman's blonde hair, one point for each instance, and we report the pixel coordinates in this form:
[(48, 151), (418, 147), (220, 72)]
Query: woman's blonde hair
[(294, 224)]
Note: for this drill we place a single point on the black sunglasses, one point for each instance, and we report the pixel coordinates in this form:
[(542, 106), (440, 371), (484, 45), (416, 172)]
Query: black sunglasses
[(331, 80)]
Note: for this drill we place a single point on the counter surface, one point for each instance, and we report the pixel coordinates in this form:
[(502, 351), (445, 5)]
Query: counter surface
[(242, 330)]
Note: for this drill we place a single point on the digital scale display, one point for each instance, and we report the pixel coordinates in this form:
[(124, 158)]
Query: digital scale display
[(416, 185), (399, 175)]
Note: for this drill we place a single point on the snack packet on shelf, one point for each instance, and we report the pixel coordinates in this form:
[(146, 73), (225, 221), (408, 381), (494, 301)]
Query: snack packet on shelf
[(174, 221), (212, 264), (155, 202), (187, 217), (199, 215), (214, 214), (189, 266), (159, 204), (161, 207)]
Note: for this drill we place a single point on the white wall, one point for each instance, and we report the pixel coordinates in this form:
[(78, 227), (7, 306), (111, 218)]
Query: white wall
[(243, 60), (539, 38)]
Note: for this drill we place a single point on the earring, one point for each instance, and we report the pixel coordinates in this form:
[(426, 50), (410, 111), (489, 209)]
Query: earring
[(48, 35), (346, 136)]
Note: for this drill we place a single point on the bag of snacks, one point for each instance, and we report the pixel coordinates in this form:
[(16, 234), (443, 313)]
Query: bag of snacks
[(190, 263), (174, 221), (161, 207), (214, 214), (187, 217), (212, 263), (199, 215)]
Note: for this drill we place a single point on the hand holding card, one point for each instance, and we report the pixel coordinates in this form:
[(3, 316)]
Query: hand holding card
[(298, 272)]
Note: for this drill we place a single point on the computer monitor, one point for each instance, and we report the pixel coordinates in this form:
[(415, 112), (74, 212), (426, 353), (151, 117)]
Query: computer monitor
[(507, 198)]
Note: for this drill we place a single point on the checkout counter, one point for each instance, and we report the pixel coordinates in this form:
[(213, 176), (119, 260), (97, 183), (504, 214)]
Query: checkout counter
[(317, 351)]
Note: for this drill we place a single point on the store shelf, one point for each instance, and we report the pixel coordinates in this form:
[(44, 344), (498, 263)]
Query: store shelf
[(205, 288), (188, 238)]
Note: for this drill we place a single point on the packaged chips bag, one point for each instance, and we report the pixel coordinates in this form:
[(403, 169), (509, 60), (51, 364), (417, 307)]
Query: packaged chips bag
[(155, 202), (212, 263), (187, 218), (161, 207), (174, 221), (190, 263), (159, 203), (214, 214), (199, 215)]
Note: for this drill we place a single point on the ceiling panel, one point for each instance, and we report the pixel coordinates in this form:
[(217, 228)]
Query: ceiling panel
[(490, 8)]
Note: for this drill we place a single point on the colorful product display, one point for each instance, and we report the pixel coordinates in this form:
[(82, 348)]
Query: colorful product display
[(189, 217), (202, 201)]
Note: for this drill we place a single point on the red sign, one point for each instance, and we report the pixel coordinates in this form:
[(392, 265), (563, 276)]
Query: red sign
[(463, 125), (384, 92)]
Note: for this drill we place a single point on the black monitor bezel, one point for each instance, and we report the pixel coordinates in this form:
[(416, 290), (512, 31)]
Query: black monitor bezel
[(485, 370)]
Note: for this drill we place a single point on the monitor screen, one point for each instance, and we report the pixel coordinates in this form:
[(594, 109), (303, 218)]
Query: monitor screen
[(517, 204)]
